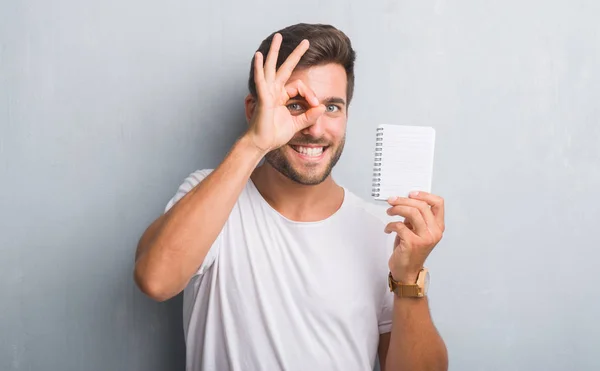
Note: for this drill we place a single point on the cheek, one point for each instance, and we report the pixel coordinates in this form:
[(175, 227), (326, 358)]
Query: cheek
[(336, 127)]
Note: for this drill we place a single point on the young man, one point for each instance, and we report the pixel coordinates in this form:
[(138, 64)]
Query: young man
[(281, 268)]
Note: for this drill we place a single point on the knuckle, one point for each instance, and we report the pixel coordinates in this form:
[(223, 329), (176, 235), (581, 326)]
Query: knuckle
[(428, 239), (403, 234)]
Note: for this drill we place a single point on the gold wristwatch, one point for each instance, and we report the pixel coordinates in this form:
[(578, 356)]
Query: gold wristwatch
[(413, 290)]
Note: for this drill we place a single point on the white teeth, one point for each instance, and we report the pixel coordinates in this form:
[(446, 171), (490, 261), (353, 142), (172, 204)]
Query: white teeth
[(310, 151)]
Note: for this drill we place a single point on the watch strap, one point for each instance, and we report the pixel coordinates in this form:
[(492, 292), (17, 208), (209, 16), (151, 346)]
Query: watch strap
[(407, 291), (404, 290)]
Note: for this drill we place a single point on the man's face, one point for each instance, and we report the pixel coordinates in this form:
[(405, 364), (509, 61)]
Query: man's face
[(311, 154)]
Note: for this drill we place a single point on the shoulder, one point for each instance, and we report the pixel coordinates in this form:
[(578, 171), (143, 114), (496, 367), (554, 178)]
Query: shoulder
[(196, 177), (365, 222), (187, 185), (371, 211)]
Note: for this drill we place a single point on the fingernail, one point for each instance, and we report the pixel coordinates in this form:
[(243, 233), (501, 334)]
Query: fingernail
[(388, 211), (392, 199), (414, 193)]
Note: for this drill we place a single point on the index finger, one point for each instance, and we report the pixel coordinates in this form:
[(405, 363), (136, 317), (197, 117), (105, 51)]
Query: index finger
[(286, 69), (271, 61), (298, 89), (436, 203)]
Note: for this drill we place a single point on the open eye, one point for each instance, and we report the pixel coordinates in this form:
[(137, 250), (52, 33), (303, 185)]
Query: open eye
[(332, 108), (294, 107)]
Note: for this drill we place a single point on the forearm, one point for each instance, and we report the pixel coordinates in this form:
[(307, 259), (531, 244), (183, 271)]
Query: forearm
[(415, 344), (171, 250)]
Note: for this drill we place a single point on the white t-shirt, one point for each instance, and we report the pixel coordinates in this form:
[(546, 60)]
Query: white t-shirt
[(276, 294)]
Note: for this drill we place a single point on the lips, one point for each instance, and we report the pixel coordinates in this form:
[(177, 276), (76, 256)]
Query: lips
[(312, 151)]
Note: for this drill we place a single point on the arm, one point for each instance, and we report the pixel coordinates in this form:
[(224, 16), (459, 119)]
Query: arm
[(175, 245), (414, 343)]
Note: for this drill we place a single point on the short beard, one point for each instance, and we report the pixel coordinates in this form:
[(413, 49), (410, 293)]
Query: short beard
[(280, 163)]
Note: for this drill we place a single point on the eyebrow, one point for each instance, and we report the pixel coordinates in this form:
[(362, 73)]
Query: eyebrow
[(337, 100), (328, 100)]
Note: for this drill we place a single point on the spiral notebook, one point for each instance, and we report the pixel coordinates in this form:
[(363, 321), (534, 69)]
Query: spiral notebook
[(403, 160)]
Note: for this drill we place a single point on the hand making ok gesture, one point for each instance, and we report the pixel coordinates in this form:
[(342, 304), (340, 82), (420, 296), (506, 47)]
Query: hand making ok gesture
[(272, 125)]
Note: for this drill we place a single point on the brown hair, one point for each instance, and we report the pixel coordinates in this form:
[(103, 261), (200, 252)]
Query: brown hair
[(327, 45)]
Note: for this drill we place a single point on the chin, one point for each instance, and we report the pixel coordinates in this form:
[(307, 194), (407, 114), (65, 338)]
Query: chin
[(305, 174), (308, 178)]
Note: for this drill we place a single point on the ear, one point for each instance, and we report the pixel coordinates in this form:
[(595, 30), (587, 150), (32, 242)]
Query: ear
[(250, 104)]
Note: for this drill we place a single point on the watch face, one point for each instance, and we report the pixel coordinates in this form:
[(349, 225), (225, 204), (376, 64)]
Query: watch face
[(426, 288)]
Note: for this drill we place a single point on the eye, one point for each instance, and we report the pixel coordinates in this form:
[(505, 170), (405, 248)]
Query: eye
[(294, 107), (333, 108)]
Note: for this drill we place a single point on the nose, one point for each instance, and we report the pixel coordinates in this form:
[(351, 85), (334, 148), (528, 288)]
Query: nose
[(317, 129)]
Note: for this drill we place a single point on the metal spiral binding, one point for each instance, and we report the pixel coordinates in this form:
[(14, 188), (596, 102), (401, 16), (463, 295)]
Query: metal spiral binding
[(377, 163)]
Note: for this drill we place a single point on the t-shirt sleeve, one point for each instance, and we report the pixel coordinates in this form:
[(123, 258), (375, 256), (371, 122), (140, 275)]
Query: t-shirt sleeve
[(385, 247), (386, 311), (188, 184)]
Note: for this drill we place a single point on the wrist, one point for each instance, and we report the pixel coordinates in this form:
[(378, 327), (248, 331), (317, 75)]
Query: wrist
[(407, 286), (249, 145), (407, 278)]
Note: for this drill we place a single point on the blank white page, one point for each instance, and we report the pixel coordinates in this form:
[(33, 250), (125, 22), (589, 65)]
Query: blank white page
[(403, 160)]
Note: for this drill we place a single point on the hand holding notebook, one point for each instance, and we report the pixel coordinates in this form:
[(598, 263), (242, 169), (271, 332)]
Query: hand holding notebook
[(403, 160)]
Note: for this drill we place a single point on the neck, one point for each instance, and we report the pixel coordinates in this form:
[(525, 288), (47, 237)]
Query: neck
[(298, 202)]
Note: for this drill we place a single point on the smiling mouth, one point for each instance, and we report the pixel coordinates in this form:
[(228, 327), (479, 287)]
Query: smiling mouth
[(314, 152)]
